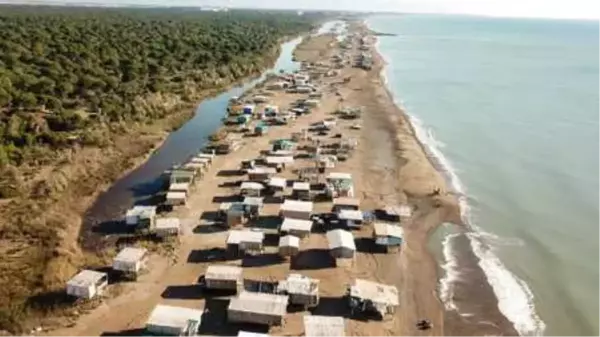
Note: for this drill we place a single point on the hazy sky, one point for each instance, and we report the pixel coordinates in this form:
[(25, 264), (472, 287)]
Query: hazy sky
[(513, 8)]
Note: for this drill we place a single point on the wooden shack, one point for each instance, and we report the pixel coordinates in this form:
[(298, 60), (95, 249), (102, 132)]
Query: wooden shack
[(387, 235), (368, 296), (130, 261), (166, 227), (296, 209), (257, 308), (245, 241), (289, 245), (302, 290), (166, 320), (317, 326), (296, 227), (341, 244), (224, 277), (301, 191), (87, 284)]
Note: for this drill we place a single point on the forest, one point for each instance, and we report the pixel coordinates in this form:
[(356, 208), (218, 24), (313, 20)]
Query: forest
[(64, 69), (84, 92)]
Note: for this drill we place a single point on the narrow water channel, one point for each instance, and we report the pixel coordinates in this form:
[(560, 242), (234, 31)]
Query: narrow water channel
[(135, 187)]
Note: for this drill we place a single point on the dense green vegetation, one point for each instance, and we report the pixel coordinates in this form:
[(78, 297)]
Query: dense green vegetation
[(110, 80), (63, 69)]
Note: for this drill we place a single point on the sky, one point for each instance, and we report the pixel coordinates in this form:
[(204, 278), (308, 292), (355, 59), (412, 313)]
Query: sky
[(566, 9)]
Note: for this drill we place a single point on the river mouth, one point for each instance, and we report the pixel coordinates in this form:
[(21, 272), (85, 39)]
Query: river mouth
[(141, 185)]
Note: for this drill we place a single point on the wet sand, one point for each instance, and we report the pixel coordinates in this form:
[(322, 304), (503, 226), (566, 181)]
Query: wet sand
[(389, 167)]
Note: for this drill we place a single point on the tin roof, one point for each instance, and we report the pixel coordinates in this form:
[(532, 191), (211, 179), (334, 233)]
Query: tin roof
[(223, 272), (289, 241), (86, 278), (176, 195), (301, 186), (260, 303), (290, 224), (250, 185), (340, 238), (297, 206), (167, 223), (142, 211), (324, 326), (339, 175), (386, 229), (278, 182), (131, 254), (279, 159), (237, 236), (262, 170), (299, 284), (348, 214), (179, 187), (253, 201), (171, 316), (376, 292)]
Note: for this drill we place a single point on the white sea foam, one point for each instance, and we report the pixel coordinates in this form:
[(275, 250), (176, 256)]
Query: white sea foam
[(515, 299)]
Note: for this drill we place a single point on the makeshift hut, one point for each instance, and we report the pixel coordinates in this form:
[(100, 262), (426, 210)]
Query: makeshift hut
[(388, 236), (345, 203), (341, 243), (289, 245), (130, 261), (369, 296), (339, 185), (181, 177), (141, 217), (302, 290), (296, 209), (251, 189), (235, 213), (175, 198), (87, 284), (180, 187), (253, 206), (301, 191), (257, 308), (260, 174), (279, 162), (296, 227), (223, 277), (166, 320), (350, 218), (318, 326), (277, 184), (397, 213), (165, 227), (245, 241)]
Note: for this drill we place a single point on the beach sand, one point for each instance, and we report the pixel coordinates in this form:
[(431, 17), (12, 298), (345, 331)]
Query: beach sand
[(389, 167)]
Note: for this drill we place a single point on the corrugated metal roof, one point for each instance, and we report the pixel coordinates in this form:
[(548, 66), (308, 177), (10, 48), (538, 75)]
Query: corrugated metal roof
[(260, 303), (86, 278), (176, 195), (349, 214), (296, 224), (340, 238), (222, 272), (131, 254), (238, 236), (278, 182), (324, 326), (301, 186), (297, 206), (289, 241), (250, 185), (171, 316), (142, 211), (299, 284), (179, 187)]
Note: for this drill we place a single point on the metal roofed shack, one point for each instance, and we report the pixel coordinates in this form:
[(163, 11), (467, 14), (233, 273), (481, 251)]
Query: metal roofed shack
[(258, 308), (130, 261), (296, 227), (397, 213), (224, 277), (368, 296), (301, 289), (176, 198), (316, 326), (301, 191), (341, 243), (141, 216), (165, 227), (245, 241), (350, 218), (166, 320), (289, 245), (339, 185), (251, 189), (388, 236), (296, 209), (345, 203), (260, 174), (87, 284)]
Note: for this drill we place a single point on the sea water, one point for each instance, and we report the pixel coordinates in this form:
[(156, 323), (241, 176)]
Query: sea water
[(510, 109)]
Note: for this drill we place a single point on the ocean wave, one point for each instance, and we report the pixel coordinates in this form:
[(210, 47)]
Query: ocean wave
[(515, 299)]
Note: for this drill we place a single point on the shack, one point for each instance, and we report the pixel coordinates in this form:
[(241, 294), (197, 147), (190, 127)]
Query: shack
[(175, 198), (224, 277), (180, 187), (301, 191), (387, 235), (87, 284), (251, 189), (316, 326), (277, 184), (350, 218), (261, 174), (166, 320), (296, 227), (279, 162), (130, 261), (141, 216), (397, 213), (289, 245), (341, 244), (235, 213), (339, 185), (165, 227), (296, 209), (253, 206), (345, 203), (245, 241), (257, 308), (181, 176), (302, 290), (368, 296), (283, 144)]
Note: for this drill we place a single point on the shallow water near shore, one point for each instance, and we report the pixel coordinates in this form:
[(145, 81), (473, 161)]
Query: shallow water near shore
[(510, 109)]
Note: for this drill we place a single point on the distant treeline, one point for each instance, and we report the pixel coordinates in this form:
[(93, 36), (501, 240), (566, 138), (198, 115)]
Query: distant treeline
[(61, 65)]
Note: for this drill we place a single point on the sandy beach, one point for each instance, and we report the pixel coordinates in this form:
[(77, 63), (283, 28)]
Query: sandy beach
[(389, 167)]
